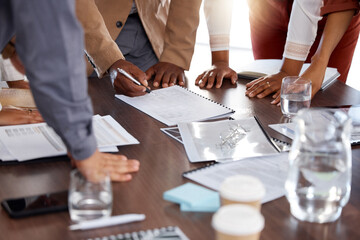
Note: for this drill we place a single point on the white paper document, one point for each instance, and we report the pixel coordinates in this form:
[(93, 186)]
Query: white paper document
[(177, 104), (31, 141), (270, 170), (224, 140), (288, 129)]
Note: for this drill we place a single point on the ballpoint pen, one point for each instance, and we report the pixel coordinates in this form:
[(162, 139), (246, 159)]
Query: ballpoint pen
[(105, 222), (123, 72)]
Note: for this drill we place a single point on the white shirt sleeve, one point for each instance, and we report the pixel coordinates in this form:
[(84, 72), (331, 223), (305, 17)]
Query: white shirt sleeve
[(8, 71), (302, 28), (218, 15)]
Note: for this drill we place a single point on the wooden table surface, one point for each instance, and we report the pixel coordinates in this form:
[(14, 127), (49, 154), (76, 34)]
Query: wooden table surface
[(163, 160)]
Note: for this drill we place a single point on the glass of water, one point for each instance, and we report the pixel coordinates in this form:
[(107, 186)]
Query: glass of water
[(89, 198), (295, 95)]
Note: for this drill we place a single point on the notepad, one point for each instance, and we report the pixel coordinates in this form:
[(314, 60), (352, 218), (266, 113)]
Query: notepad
[(263, 67), (194, 198), (177, 104)]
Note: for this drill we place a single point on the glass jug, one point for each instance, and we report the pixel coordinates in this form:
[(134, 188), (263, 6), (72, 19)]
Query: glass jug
[(319, 178)]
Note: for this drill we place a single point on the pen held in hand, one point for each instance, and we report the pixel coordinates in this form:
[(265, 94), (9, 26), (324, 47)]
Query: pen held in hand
[(123, 72)]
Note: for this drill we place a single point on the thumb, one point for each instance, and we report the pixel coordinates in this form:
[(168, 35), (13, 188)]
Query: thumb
[(233, 77)]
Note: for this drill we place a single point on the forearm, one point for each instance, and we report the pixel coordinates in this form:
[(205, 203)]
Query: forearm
[(220, 56), (336, 25), (50, 44), (291, 67)]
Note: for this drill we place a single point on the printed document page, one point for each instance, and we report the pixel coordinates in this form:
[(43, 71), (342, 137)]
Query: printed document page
[(176, 104), (288, 129), (270, 170), (31, 141), (224, 140)]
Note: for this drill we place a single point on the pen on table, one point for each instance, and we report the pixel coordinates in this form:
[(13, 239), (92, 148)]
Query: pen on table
[(110, 221), (123, 72)]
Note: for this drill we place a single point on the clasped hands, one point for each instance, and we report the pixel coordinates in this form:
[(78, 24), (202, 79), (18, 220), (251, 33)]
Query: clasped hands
[(164, 74)]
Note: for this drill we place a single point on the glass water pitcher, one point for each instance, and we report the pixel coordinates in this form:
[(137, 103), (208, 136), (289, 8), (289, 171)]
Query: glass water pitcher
[(319, 179)]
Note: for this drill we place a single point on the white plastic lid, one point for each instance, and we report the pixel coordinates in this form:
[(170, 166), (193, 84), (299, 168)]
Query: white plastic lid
[(238, 220), (243, 188)]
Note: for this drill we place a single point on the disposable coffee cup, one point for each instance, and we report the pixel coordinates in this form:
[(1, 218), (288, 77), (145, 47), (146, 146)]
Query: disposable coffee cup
[(243, 189), (238, 222)]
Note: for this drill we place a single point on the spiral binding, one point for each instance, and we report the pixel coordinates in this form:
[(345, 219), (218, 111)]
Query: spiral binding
[(170, 232), (222, 105), (212, 164), (284, 146)]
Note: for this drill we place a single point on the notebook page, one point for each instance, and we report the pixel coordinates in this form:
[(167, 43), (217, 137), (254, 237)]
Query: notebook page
[(270, 170), (176, 104)]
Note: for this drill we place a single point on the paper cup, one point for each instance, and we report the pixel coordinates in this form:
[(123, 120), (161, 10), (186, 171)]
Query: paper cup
[(242, 189), (238, 222)]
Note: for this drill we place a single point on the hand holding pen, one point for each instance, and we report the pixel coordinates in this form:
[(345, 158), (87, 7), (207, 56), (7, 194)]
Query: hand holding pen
[(123, 72), (125, 85)]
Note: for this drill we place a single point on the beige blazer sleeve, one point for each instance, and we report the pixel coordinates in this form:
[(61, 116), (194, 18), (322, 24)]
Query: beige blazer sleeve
[(180, 32), (99, 46)]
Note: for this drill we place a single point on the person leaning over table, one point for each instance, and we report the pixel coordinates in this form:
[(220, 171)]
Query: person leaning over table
[(335, 47), (49, 44), (267, 42), (13, 78), (156, 36)]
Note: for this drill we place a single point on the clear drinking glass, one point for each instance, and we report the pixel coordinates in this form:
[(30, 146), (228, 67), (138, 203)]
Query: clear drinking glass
[(319, 179), (89, 198), (295, 95)]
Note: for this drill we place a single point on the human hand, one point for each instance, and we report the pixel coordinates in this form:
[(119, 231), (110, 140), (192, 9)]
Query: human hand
[(10, 116), (167, 74), (315, 73), (118, 166), (218, 72), (124, 85), (264, 86)]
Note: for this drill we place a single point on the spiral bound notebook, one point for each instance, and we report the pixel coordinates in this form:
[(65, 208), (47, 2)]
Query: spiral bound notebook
[(168, 233), (176, 104), (270, 170)]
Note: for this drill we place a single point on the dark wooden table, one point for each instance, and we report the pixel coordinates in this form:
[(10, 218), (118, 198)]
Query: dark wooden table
[(163, 160)]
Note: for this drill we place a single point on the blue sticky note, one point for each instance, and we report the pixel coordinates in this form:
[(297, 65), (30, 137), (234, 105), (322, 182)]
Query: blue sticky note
[(191, 195), (212, 205)]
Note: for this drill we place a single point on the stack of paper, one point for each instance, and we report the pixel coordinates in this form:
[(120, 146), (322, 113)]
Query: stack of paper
[(32, 141), (193, 198)]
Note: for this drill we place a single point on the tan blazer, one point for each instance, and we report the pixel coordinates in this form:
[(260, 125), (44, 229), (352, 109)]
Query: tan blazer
[(170, 26)]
